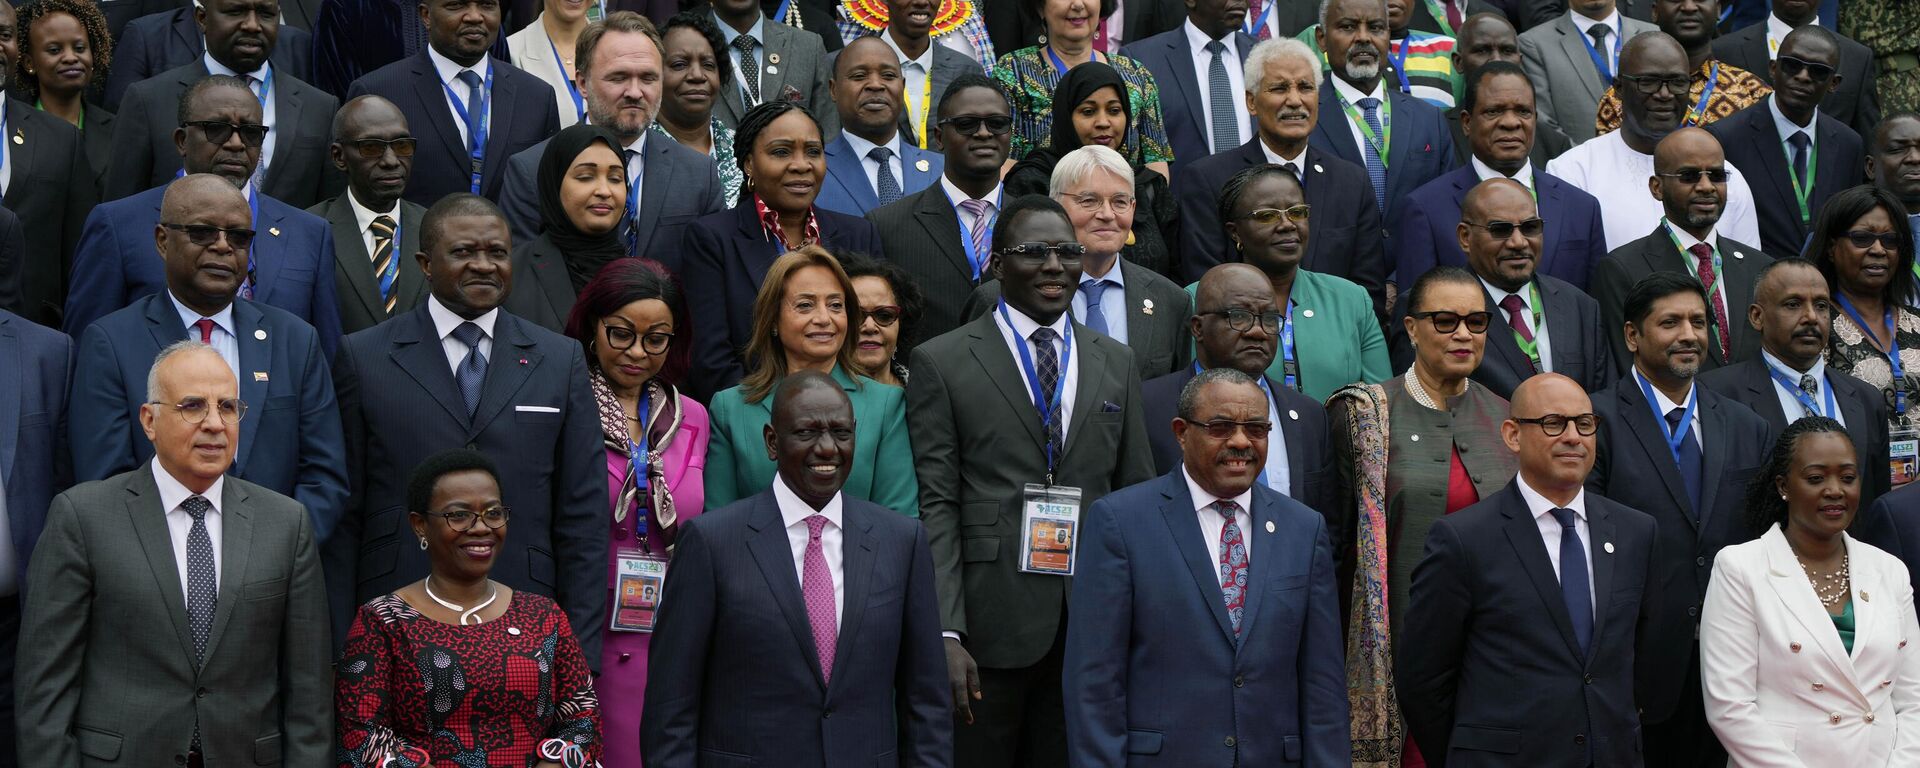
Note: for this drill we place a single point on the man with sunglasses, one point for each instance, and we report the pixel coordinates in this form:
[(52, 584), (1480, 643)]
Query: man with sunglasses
[(1715, 89), (1855, 101), (1683, 454), (375, 231), (288, 264)]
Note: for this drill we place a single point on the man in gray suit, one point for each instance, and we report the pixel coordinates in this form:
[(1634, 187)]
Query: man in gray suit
[(176, 614), (1564, 63), (979, 439), (375, 232), (927, 68), (778, 62)]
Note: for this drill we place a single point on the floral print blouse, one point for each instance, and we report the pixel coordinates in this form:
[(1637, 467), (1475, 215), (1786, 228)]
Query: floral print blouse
[(1028, 75)]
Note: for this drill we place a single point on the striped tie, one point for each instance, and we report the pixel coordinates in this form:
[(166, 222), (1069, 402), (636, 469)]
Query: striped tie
[(385, 269), (1376, 165), (978, 232)]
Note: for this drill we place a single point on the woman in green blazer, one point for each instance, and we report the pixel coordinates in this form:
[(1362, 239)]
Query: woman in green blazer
[(801, 321)]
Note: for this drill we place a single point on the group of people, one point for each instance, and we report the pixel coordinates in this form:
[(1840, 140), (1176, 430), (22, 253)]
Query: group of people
[(1457, 381)]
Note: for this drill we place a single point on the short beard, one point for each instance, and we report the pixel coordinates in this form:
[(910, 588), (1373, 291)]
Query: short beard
[(1702, 221), (1362, 71), (610, 120)]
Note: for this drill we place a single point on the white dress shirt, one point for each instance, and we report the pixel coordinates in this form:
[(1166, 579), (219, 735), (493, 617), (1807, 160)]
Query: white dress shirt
[(636, 168), (1550, 528), (1486, 172), (1691, 265), (1666, 406), (1212, 524), (180, 524), (1776, 34), (1113, 303), (363, 220), (916, 72), (1279, 470), (1353, 96), (1612, 171), (268, 113), (223, 338), (444, 321), (1299, 161), (1789, 403), (449, 73), (1023, 327), (1613, 35), (871, 166), (1542, 344), (793, 515), (759, 32), (1236, 84)]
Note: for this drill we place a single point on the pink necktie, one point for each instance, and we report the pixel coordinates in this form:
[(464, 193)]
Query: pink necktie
[(816, 585), (1253, 14)]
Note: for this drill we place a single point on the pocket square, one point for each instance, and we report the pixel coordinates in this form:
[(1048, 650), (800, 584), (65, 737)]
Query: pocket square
[(535, 409), (1108, 406)]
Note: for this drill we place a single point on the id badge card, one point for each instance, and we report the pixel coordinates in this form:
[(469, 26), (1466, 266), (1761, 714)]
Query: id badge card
[(1903, 448), (637, 592), (1049, 529)]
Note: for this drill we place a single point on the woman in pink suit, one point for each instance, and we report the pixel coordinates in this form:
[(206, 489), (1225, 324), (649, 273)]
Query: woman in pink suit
[(633, 325)]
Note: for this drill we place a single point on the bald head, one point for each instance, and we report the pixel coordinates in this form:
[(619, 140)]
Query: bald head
[(198, 192), (1500, 193), (1548, 389), (378, 180), (1236, 288), (1227, 278), (1684, 147)]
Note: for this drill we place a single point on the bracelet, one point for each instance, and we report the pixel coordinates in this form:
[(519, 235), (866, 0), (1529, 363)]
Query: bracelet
[(565, 752)]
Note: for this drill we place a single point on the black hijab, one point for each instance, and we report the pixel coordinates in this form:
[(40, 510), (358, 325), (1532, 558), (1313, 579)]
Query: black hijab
[(1079, 84), (583, 253)]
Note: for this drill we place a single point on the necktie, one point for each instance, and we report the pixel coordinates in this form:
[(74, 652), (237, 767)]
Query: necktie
[(1453, 14), (1689, 462), (633, 205), (1703, 269), (1049, 362), (889, 187), (978, 231), (1253, 14), (1516, 308), (205, 327), (385, 268), (1573, 579), (1233, 563), (749, 67), (1599, 34), (202, 584), (816, 585), (1812, 388), (1800, 144), (1376, 170), (260, 169), (1093, 290), (1226, 129), (1295, 170), (473, 368), (472, 81)]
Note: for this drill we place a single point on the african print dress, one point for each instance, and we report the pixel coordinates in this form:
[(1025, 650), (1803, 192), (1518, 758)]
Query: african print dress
[(1029, 76)]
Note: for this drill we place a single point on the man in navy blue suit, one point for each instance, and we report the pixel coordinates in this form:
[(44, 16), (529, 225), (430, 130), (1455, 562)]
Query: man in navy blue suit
[(471, 111), (33, 466), (1198, 67), (868, 164), (157, 42), (292, 444), (1498, 117), (860, 677), (1252, 659), (289, 264), (354, 37)]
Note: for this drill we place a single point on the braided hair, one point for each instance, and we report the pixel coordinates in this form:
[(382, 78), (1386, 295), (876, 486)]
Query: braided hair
[(99, 42), (1236, 187), (1765, 506), (754, 123)]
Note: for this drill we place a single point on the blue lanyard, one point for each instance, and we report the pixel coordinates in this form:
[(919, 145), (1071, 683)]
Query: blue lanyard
[(1893, 351), (1675, 434), (579, 104), (266, 87), (1399, 61), (1059, 64), (1289, 365), (1266, 12), (780, 16), (477, 152), (1049, 407), (977, 262), (1793, 388), (637, 465), (1599, 61), (1699, 110)]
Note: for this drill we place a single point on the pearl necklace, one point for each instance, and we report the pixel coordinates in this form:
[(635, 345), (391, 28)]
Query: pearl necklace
[(1419, 392), (1832, 588), (464, 611)]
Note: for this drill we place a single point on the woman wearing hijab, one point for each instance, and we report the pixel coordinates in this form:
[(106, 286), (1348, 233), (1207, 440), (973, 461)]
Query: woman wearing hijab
[(1090, 107), (583, 199)]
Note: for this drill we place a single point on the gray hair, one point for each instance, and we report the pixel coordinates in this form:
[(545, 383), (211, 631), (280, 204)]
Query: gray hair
[(1278, 49), (1190, 394), (1081, 163), (176, 348)]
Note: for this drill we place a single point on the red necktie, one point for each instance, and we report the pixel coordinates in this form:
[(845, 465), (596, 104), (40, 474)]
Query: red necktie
[(1253, 12), (205, 327), (1453, 14), (1703, 269)]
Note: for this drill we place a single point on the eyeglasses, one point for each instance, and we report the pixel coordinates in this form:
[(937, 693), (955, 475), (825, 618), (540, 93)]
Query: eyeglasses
[(1268, 217), (462, 520), (204, 235), (620, 337), (1242, 320), (1863, 240), (1790, 66), (1224, 429), (1649, 85), (1555, 425), (1037, 253), (884, 315), (1501, 230), (1448, 322), (1692, 175), (193, 410), (374, 149), (218, 131), (968, 125), (1092, 203)]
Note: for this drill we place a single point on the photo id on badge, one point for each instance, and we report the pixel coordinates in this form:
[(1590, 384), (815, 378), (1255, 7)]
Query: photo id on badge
[(636, 593), (1903, 449), (1049, 529)]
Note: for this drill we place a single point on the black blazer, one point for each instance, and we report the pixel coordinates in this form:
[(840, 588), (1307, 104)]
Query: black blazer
[(300, 175), (1891, 524), (1497, 677), (1615, 275), (522, 116), (1634, 467), (96, 140), (1856, 102), (1421, 149), (1753, 145), (1574, 332), (52, 191), (354, 37), (921, 233), (13, 257), (1303, 425), (542, 290), (158, 42), (1347, 237), (1157, 312), (723, 259), (677, 185), (1863, 406), (353, 277)]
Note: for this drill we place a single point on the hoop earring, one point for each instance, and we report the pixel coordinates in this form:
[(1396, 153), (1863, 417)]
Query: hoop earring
[(423, 543)]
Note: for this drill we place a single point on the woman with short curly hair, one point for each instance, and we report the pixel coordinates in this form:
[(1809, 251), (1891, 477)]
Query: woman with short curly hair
[(65, 50)]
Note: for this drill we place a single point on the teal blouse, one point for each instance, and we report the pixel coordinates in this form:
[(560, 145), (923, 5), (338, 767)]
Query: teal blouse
[(1337, 339), (882, 472), (1844, 624)]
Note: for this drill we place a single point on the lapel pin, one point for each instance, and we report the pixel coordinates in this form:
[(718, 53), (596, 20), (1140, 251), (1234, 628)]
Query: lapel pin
[(275, 231), (920, 165), (1146, 306), (1795, 647), (260, 376), (773, 70), (1609, 547), (1318, 169), (1269, 526), (1739, 255), (772, 58), (1295, 415), (523, 361), (18, 138), (1307, 312), (1864, 597), (513, 630), (260, 334), (1415, 438)]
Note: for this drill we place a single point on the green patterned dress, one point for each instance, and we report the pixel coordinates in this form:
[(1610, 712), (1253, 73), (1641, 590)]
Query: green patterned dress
[(723, 161), (1029, 76)]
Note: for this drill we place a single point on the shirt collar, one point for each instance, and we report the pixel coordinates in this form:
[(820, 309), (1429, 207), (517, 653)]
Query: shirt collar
[(448, 70), (363, 216), (925, 62), (861, 146), (729, 33), (1776, 32), (1818, 371), (955, 195), (1202, 499), (1524, 175), (1353, 95), (1787, 127), (1499, 294), (1585, 22), (1114, 276), (217, 68), (1687, 240), (444, 320), (222, 319), (1024, 326), (794, 512), (1198, 40), (1660, 398), (1299, 161), (1538, 505), (173, 492)]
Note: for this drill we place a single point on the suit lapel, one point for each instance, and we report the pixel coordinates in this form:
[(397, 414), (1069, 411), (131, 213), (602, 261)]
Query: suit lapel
[(990, 349), (1763, 401), (1183, 529), (1547, 192), (1791, 588), (1185, 86), (286, 109), (1523, 534), (857, 574), (270, 248), (773, 553), (501, 105), (1713, 452), (186, 33), (1296, 441), (942, 224), (1571, 36), (417, 351), (1772, 158), (254, 353), (22, 119), (1332, 127), (515, 358), (10, 400), (1139, 324), (236, 550), (412, 283), (355, 262), (773, 77), (656, 178), (756, 251), (1600, 527), (433, 100), (1500, 340), (1398, 151), (1261, 568), (846, 170), (1563, 329), (149, 524), (1086, 400), (1638, 415)]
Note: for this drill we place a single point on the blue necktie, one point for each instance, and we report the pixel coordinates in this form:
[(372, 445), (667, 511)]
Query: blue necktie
[(1093, 290), (1226, 129), (473, 369), (889, 190), (1800, 145), (1689, 463), (1048, 359), (632, 216), (1830, 14), (1376, 169), (1573, 580), (472, 81)]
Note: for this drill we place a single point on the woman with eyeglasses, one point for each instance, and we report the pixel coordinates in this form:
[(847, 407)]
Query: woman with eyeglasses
[(891, 304), (633, 326), (583, 197), (803, 320), (1031, 76), (1863, 243), (459, 669), (696, 67), (1411, 450), (65, 51)]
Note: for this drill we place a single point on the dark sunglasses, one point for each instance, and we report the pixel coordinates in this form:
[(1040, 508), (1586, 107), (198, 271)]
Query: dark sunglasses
[(204, 235), (1649, 85), (1863, 240), (1038, 252), (218, 131), (1790, 66), (1242, 320), (373, 149), (1224, 429), (968, 125), (884, 315), (1501, 230), (1555, 425), (1692, 175), (1447, 322)]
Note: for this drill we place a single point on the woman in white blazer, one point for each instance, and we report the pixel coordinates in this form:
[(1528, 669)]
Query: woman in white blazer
[(545, 50), (1804, 639)]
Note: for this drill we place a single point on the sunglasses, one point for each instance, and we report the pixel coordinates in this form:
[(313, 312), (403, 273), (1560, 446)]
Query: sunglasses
[(1267, 217), (1790, 66), (1692, 175), (1555, 425), (1447, 322), (204, 235), (1649, 85), (968, 125), (219, 131), (1224, 429), (1501, 230), (884, 315), (1038, 252), (1863, 240), (374, 149)]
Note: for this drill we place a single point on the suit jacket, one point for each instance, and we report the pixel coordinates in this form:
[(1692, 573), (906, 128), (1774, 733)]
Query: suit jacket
[(301, 173), (948, 64), (803, 66), (542, 289), (521, 116), (1548, 142), (1626, 265), (921, 233), (291, 442), (1342, 340), (1566, 86), (1498, 677), (52, 187), (737, 465), (354, 37), (1157, 312), (157, 42), (1575, 339), (1749, 383), (1347, 237), (33, 428), (1421, 150), (525, 51), (1303, 425), (1759, 613), (1856, 102), (725, 257), (1155, 671), (731, 689), (846, 190), (1169, 56), (399, 404), (677, 185), (1753, 144), (106, 671), (353, 276), (96, 142), (1890, 525), (1426, 237), (117, 263), (13, 260), (1634, 467)]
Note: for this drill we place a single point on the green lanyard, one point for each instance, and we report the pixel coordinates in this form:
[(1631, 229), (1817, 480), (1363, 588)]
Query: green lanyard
[(1440, 16), (1379, 141), (1803, 188), (1687, 259), (1532, 346)]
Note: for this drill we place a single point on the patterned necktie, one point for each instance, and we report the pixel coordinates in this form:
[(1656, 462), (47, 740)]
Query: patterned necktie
[(1599, 34), (889, 187), (385, 268), (633, 204), (1812, 388), (816, 585), (1253, 13), (1226, 129), (1049, 370), (203, 589), (978, 231), (260, 169), (473, 368), (1233, 562), (1703, 269), (749, 67), (1689, 462), (472, 81), (1573, 579), (1093, 290), (205, 327), (1376, 167)]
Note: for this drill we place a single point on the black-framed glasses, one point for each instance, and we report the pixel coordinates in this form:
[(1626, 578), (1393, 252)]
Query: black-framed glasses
[(1242, 320), (1501, 230), (1863, 239), (1223, 429), (204, 235), (1692, 175), (968, 125), (1268, 217), (218, 131), (1791, 65), (1649, 85), (884, 315), (373, 149), (1448, 322), (621, 338), (461, 520), (1038, 252), (1555, 425), (194, 410)]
